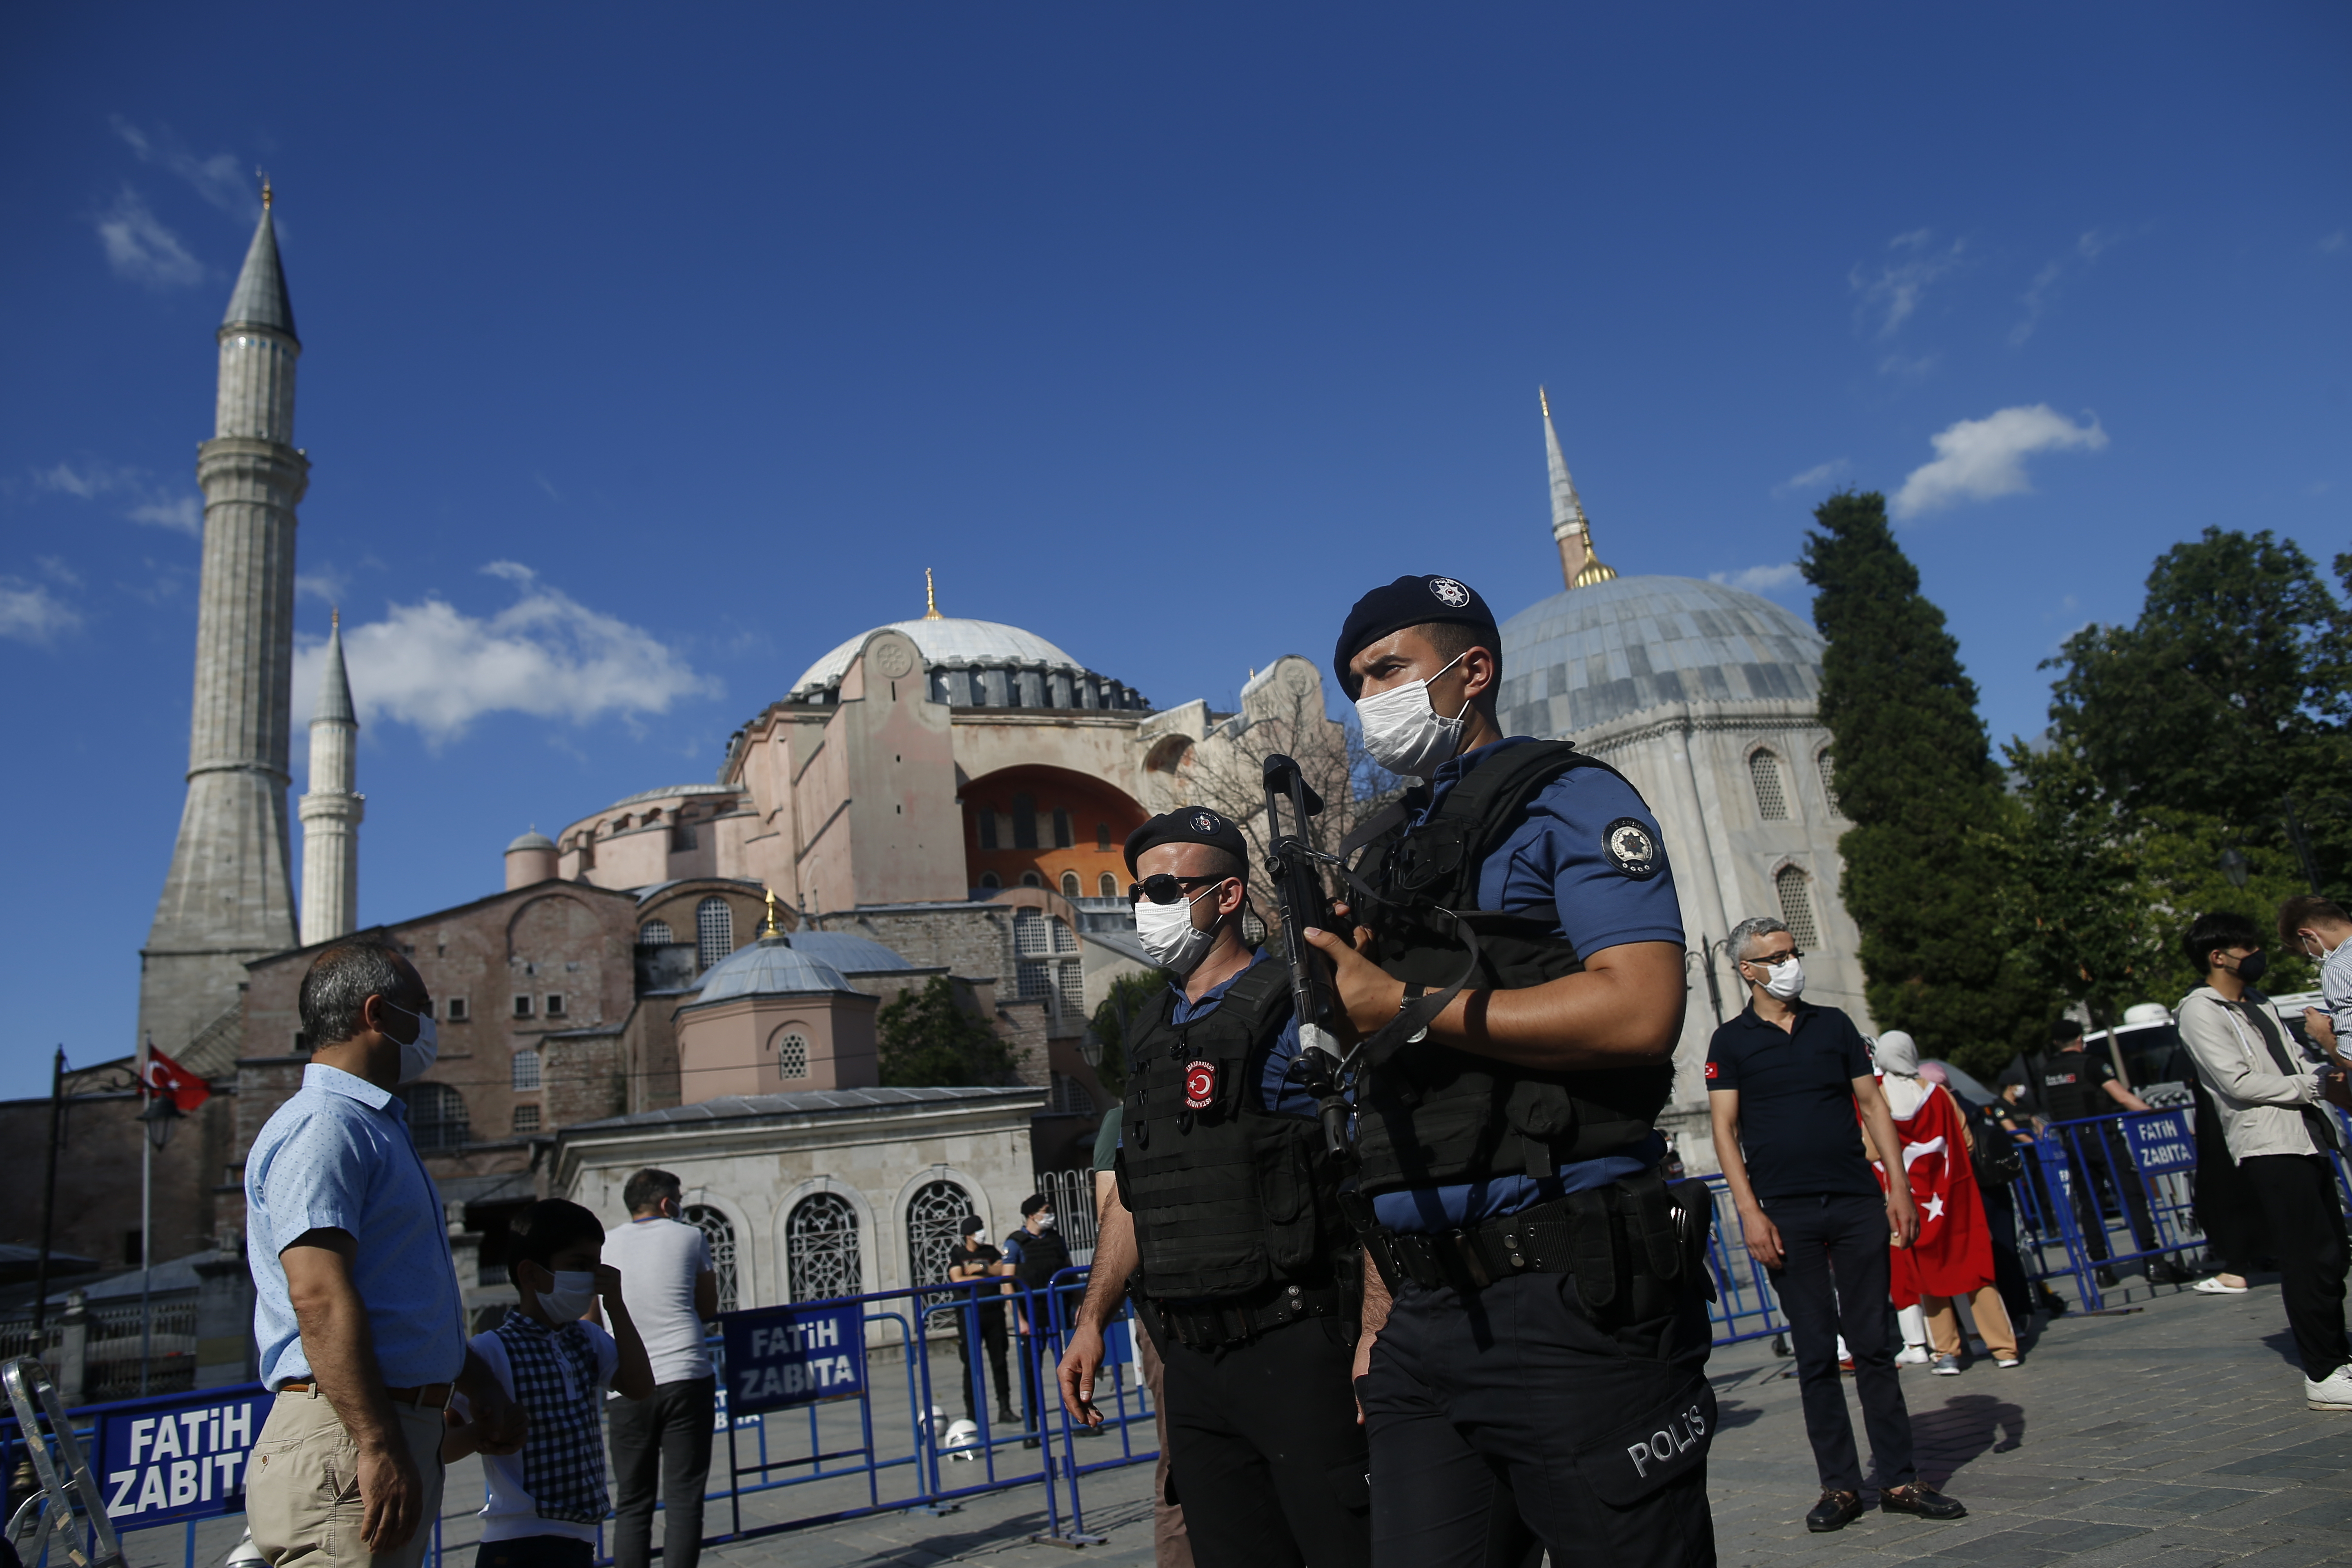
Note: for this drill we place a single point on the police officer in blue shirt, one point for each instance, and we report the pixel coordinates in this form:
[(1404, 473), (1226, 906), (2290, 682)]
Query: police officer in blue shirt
[(1537, 1317)]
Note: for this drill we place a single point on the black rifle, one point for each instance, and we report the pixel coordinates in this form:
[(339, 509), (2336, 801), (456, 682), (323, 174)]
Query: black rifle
[(1299, 893)]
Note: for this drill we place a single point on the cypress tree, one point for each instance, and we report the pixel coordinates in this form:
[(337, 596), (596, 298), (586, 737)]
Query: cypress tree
[(1916, 778)]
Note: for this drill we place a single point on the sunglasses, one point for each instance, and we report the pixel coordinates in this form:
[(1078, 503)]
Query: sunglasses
[(1166, 888)]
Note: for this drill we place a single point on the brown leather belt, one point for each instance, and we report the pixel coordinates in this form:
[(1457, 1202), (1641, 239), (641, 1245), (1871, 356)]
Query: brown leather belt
[(431, 1396)]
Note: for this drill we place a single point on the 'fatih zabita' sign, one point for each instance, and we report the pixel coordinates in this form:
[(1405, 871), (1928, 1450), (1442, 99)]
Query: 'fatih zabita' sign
[(2161, 1143), (179, 1456), (781, 1356)]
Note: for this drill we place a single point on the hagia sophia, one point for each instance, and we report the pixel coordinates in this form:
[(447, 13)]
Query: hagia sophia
[(690, 976)]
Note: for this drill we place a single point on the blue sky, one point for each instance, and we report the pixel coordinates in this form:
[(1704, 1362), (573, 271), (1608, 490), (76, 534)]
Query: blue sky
[(650, 355)]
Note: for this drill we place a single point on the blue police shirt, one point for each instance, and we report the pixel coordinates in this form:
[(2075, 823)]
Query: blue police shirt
[(338, 1156), (1554, 865), (1280, 1074)]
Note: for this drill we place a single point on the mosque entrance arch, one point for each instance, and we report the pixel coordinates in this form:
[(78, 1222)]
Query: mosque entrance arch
[(1037, 826)]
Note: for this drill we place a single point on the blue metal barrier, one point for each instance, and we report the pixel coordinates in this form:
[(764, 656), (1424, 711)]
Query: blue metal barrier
[(1745, 1307)]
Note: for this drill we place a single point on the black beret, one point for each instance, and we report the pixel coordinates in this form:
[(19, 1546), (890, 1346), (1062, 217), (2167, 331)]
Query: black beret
[(1187, 825), (1407, 602)]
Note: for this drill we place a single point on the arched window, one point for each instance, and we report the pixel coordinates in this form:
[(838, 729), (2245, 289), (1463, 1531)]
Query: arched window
[(1061, 828), (1828, 779), (1029, 934), (1796, 906), (525, 1070), (1070, 886), (1102, 835), (792, 1053), (987, 821), (821, 1248), (1109, 886), (720, 1234), (714, 931), (1764, 768), (655, 933), (933, 1216), (1024, 821), (436, 1115), (990, 880), (1030, 879)]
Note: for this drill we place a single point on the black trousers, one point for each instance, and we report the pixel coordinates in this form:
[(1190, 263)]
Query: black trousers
[(669, 1432), (991, 1337), (1264, 1453), (2008, 1267), (1517, 1396), (2297, 1193), (536, 1551), (1832, 1279), (2100, 1160)]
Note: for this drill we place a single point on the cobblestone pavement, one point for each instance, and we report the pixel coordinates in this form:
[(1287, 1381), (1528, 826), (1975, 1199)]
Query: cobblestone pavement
[(2174, 1435)]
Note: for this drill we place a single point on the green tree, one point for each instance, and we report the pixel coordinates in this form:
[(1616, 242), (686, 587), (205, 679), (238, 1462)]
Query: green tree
[(928, 1040), (1916, 778), (1129, 995)]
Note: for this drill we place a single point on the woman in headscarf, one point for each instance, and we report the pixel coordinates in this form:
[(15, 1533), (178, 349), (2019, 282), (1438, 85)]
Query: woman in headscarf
[(1953, 1253)]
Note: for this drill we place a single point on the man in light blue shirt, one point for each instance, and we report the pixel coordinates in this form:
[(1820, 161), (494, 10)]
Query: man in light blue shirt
[(357, 1312)]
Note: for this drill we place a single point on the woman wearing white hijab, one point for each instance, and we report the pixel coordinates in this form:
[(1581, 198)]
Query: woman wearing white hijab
[(1953, 1253)]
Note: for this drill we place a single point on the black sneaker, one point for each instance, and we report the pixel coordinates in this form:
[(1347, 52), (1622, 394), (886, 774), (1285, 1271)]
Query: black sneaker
[(1005, 1417), (2164, 1271), (1921, 1499), (2052, 1303), (1835, 1511), (2104, 1275)]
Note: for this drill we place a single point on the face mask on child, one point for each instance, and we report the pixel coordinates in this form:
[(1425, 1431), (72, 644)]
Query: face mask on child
[(570, 1297)]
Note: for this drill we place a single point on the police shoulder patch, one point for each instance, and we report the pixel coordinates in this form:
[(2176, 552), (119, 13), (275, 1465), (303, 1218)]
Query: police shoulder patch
[(1632, 848)]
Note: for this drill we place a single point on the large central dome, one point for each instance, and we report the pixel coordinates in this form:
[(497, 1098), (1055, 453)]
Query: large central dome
[(1590, 656), (979, 664), (948, 643)]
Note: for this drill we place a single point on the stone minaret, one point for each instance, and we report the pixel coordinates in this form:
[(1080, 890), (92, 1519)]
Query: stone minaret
[(229, 898), (332, 809), (1578, 564)]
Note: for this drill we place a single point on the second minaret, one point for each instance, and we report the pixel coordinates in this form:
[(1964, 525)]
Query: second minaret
[(332, 808)]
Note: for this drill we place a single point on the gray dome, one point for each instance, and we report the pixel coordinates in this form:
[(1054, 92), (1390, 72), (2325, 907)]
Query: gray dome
[(978, 664), (850, 954), (1590, 656), (534, 839), (768, 967)]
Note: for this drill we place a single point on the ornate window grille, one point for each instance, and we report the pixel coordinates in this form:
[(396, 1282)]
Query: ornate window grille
[(934, 1214), (714, 931), (720, 1234), (821, 1256), (655, 933), (524, 1073), (1829, 779), (792, 1054), (1771, 803), (526, 1117), (1029, 934), (436, 1115), (1796, 905)]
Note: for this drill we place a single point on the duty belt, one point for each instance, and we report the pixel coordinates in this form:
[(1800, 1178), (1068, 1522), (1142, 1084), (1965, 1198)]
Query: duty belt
[(1211, 1325), (1659, 1232)]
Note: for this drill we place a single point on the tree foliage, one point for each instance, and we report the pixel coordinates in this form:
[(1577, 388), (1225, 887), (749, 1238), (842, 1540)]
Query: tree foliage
[(1916, 776), (1127, 997), (927, 1038)]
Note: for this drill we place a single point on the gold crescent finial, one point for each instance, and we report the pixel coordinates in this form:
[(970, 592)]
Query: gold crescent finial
[(931, 599), (1545, 398), (771, 926), (335, 618), (265, 189)]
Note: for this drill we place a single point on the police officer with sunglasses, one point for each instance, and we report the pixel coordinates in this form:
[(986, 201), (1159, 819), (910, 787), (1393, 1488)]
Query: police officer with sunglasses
[(1226, 1218), (1537, 1318)]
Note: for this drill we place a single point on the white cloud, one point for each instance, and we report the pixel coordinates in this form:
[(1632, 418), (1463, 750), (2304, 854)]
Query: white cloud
[(91, 481), (182, 514), (432, 666), (1894, 293), (1977, 459), (2335, 244), (138, 246), (56, 570), (1758, 579), (219, 179), (325, 583), (1819, 474), (2041, 293), (30, 614), (150, 503)]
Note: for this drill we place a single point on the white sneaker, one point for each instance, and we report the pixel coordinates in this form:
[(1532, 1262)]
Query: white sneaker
[(2006, 1363), (2212, 1286), (1911, 1355), (1947, 1366), (2333, 1392)]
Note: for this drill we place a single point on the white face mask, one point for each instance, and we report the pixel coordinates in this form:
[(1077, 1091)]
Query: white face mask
[(1170, 936), (417, 1055), (1405, 731), (574, 1290), (1045, 1220), (1787, 982)]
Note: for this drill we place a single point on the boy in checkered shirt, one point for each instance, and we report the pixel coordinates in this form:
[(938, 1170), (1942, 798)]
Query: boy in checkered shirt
[(546, 1501)]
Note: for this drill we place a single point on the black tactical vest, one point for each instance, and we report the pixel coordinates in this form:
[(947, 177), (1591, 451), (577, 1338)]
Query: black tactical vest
[(2066, 1083), (1430, 1114), (1227, 1199)]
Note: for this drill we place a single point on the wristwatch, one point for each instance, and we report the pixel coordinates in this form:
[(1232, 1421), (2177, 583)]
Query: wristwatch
[(1413, 991)]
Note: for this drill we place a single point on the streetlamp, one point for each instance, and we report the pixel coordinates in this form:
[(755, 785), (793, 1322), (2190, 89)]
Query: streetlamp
[(2234, 865), (157, 1120)]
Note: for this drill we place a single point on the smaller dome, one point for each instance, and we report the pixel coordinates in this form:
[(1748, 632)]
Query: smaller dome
[(768, 967), (850, 954), (534, 839)]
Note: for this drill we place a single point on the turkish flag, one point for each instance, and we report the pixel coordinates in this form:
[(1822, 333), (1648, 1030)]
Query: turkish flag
[(1954, 1253), (174, 1082)]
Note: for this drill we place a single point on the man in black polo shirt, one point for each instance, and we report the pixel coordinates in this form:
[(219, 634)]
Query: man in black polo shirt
[(2066, 1084), (1786, 1079)]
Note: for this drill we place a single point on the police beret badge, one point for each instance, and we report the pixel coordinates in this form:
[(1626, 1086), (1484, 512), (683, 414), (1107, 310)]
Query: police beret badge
[(1632, 849), (1449, 593), (1200, 1085), (1205, 822)]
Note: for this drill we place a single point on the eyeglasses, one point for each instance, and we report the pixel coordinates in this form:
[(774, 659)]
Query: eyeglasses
[(1767, 960), (1166, 888)]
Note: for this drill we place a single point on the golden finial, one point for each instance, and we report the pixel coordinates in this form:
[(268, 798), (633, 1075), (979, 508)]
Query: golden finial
[(931, 599), (772, 926), (265, 189), (1545, 398), (335, 618)]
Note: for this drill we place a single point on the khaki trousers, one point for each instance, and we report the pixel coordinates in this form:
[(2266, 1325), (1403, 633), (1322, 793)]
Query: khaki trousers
[(302, 1488), (1992, 1322)]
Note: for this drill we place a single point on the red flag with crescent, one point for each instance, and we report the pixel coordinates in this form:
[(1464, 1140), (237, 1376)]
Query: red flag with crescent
[(1953, 1255), (169, 1079)]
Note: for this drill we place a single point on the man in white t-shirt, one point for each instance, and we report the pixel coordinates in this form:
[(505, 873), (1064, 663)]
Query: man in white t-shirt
[(672, 1290)]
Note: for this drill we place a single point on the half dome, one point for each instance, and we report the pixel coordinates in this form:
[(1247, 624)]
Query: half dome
[(768, 967), (1590, 656)]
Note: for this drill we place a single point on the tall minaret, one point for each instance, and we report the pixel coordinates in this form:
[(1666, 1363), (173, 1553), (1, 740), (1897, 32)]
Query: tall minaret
[(229, 898), (331, 808), (1578, 564)]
